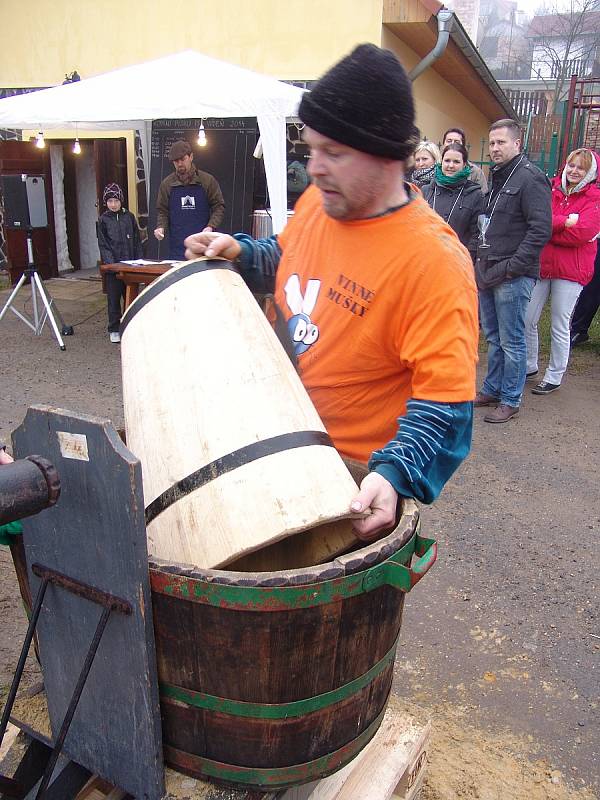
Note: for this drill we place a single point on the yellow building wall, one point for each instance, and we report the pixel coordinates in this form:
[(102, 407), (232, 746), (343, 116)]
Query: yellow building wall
[(300, 39), (43, 40), (439, 105)]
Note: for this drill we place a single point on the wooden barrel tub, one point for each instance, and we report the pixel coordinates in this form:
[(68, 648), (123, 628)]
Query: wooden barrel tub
[(273, 679)]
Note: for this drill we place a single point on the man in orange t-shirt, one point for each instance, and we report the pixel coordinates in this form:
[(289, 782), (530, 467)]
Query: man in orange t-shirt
[(377, 292)]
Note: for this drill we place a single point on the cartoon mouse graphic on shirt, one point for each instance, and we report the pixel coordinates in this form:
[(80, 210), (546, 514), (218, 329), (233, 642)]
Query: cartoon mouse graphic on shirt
[(303, 331)]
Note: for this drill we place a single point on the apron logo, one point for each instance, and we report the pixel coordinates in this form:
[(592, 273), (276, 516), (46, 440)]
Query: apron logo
[(188, 202)]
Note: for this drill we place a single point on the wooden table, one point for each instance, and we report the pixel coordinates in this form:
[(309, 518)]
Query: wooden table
[(133, 277)]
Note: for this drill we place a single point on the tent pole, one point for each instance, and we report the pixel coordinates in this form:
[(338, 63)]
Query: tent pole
[(273, 133)]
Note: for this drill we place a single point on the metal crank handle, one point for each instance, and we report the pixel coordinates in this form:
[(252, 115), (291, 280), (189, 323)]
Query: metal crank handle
[(26, 487)]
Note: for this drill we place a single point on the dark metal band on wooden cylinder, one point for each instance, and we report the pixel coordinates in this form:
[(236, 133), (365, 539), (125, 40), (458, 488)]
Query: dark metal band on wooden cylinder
[(231, 461), (170, 279)]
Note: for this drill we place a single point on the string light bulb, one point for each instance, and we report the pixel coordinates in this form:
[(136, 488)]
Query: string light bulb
[(201, 135), (76, 147), (39, 141)]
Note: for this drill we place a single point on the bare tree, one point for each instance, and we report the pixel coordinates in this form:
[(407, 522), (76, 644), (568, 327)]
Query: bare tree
[(564, 41)]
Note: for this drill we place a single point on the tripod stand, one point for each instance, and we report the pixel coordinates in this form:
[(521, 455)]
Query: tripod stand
[(39, 296)]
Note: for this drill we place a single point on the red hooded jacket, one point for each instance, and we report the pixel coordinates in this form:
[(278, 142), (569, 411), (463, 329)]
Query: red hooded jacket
[(570, 253)]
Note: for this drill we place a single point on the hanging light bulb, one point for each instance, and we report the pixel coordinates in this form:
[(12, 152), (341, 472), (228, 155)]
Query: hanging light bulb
[(76, 147), (39, 140), (201, 135)]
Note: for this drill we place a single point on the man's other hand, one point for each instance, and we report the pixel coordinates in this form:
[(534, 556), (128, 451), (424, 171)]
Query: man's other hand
[(212, 244), (381, 498), (159, 233)]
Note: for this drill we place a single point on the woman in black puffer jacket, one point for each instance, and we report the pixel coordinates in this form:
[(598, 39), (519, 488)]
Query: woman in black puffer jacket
[(456, 198)]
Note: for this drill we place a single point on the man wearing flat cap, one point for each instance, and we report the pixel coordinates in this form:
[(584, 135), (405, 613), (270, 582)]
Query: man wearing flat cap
[(189, 200), (377, 292)]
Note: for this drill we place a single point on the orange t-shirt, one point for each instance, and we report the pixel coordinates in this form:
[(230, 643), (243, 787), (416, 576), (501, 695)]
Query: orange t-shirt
[(380, 311)]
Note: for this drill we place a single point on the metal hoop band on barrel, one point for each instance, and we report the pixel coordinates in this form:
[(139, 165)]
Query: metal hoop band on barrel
[(297, 708), (277, 777), (170, 278), (231, 461)]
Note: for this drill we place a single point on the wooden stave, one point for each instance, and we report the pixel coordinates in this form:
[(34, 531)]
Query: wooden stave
[(345, 564), (180, 516)]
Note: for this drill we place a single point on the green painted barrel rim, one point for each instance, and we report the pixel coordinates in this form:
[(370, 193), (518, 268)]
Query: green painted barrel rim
[(296, 708), (277, 777), (393, 571)]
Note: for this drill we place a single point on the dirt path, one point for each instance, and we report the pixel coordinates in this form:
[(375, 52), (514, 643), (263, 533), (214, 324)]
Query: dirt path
[(500, 641), (506, 627)]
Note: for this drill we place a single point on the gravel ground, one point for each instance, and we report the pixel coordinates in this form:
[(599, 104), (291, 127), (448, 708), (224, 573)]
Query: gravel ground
[(502, 638)]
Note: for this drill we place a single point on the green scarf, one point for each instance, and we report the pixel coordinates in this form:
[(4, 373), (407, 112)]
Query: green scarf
[(451, 180)]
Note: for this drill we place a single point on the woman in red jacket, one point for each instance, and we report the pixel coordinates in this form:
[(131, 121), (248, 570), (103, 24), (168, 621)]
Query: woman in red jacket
[(566, 262)]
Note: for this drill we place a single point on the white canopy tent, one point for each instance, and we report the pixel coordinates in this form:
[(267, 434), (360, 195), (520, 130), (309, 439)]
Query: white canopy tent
[(183, 85)]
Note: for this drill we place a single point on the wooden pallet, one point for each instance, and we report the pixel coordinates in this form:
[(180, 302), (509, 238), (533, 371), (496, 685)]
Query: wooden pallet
[(391, 767), (97, 789)]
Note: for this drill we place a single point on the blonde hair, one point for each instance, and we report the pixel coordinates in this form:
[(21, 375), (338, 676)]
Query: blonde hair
[(587, 159), (432, 149)]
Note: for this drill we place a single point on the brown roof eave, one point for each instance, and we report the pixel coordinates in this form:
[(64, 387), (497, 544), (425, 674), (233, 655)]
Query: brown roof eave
[(407, 30), (432, 5)]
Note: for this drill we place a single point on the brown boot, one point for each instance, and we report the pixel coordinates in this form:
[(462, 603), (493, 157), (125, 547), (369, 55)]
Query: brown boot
[(502, 413), (483, 399)]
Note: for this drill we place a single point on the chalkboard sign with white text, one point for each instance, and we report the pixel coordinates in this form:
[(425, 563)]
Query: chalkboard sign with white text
[(227, 156)]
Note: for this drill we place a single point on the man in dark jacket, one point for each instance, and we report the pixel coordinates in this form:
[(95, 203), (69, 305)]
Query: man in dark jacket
[(188, 201), (517, 223)]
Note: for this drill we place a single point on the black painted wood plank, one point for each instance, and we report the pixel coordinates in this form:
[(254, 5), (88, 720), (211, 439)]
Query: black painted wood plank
[(96, 534)]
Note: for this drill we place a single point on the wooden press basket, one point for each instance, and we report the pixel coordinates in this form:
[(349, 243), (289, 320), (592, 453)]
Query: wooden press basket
[(273, 679)]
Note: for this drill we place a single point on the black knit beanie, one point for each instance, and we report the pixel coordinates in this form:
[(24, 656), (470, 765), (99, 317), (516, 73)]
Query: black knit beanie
[(113, 190), (364, 101)]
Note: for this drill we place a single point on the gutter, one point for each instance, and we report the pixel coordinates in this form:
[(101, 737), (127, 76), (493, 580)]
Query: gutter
[(450, 27), (445, 18)]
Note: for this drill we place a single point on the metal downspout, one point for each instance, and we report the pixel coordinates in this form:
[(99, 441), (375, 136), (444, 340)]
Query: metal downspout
[(444, 20)]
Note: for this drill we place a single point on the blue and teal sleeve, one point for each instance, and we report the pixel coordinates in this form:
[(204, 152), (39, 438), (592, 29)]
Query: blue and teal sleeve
[(432, 441), (261, 255)]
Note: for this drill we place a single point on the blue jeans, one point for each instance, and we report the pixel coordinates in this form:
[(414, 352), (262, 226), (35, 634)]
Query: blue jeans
[(502, 313)]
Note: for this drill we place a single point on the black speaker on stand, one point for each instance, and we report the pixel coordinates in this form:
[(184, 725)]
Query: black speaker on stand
[(25, 209)]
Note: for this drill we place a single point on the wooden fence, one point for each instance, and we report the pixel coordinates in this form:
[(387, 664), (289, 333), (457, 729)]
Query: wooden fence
[(526, 103)]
